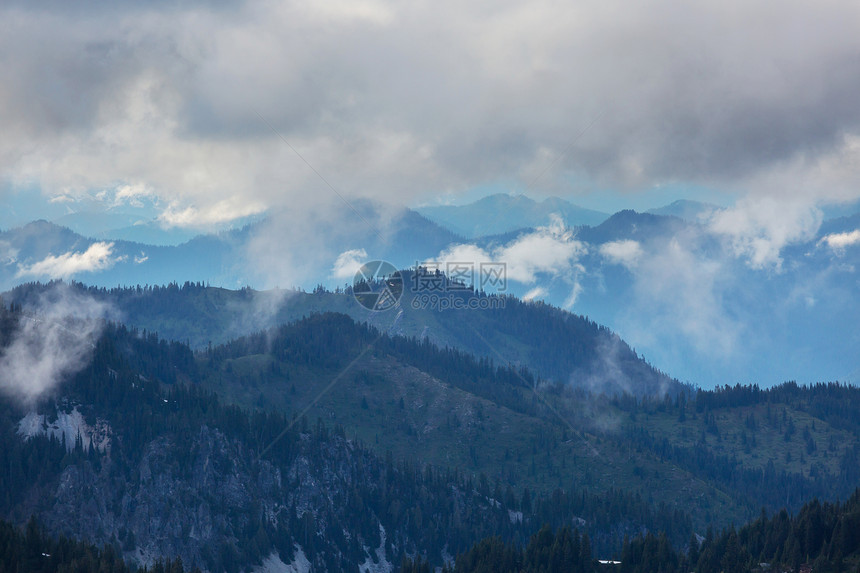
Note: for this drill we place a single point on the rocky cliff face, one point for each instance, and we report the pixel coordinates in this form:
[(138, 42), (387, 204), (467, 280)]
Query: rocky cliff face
[(210, 500), (191, 502)]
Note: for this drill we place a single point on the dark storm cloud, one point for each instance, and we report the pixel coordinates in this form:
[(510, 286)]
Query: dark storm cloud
[(404, 101)]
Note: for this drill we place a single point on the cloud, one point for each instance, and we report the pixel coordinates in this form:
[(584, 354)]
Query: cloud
[(192, 105), (8, 253), (176, 215), (679, 300), (132, 195), (551, 249), (547, 254), (758, 228), (625, 252), (535, 293), (53, 340), (209, 112), (841, 241), (292, 246), (97, 257), (348, 263)]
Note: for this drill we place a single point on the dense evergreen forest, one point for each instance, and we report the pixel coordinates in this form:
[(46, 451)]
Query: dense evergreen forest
[(821, 537), (261, 460), (775, 448), (562, 551), (301, 481), (553, 344), (35, 551)]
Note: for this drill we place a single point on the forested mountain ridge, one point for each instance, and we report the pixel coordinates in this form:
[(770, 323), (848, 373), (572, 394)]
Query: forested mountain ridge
[(555, 344), (505, 442), (179, 473), (727, 452)]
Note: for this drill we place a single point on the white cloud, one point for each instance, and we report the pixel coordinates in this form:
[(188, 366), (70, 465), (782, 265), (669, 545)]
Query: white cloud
[(840, 241), (463, 253), (8, 253), (759, 227), (547, 253), (552, 249), (682, 291), (97, 257), (61, 199), (54, 340), (576, 289), (348, 263), (625, 252), (224, 211), (539, 253), (132, 194), (535, 293)]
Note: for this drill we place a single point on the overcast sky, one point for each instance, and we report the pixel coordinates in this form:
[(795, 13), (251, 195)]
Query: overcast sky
[(198, 107)]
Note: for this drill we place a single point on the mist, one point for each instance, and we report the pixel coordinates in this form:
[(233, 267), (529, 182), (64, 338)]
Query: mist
[(53, 340)]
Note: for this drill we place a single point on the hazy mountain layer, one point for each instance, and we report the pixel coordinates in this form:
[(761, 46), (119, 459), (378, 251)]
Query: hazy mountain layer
[(697, 300), (501, 213)]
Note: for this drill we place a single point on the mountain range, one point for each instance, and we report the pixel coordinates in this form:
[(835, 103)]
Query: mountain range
[(686, 297), (502, 213)]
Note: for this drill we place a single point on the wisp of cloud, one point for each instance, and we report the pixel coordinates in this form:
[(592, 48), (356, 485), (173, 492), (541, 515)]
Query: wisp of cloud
[(53, 340)]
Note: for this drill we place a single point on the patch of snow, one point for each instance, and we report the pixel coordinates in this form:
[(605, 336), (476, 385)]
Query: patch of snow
[(273, 563), (515, 516), (447, 558), (144, 556), (31, 425), (382, 564), (69, 425)]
